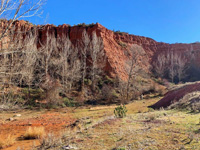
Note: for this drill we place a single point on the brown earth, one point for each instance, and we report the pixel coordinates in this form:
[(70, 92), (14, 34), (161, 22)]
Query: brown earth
[(116, 44)]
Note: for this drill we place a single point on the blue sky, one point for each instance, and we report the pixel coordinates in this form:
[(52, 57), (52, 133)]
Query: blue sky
[(168, 21)]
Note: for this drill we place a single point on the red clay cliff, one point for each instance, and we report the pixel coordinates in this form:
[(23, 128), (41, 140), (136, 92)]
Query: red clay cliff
[(116, 45)]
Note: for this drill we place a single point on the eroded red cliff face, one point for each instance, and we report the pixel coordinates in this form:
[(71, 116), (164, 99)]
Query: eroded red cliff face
[(116, 45)]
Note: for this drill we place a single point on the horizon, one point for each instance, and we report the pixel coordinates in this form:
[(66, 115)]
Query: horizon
[(164, 21)]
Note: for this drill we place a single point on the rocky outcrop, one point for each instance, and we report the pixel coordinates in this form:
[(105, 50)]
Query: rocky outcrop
[(116, 45)]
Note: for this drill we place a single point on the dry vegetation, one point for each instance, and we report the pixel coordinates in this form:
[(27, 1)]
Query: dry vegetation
[(34, 133), (141, 129), (190, 102), (7, 140)]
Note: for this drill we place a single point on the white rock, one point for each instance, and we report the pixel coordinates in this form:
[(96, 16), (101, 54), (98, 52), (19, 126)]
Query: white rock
[(10, 119), (69, 147), (17, 115)]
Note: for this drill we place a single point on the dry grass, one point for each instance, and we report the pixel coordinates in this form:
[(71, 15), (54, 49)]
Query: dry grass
[(34, 133), (7, 141), (178, 86), (50, 140), (158, 129)]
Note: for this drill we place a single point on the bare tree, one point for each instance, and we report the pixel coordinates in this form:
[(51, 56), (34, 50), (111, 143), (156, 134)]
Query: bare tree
[(160, 65), (12, 49), (97, 58), (46, 54), (172, 63), (29, 58), (9, 60), (74, 70), (85, 47), (47, 64), (177, 66), (181, 63), (137, 54), (18, 61), (69, 63), (65, 50), (16, 9)]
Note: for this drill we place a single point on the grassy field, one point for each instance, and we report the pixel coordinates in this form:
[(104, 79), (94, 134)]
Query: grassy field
[(142, 128)]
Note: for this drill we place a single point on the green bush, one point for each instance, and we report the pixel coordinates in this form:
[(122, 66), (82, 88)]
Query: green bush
[(115, 94), (150, 110), (120, 111), (69, 102), (85, 25), (108, 80), (122, 44), (88, 82), (119, 32)]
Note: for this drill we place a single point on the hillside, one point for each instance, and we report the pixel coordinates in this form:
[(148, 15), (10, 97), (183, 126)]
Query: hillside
[(116, 45)]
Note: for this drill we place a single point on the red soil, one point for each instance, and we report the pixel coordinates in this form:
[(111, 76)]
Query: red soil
[(52, 122)]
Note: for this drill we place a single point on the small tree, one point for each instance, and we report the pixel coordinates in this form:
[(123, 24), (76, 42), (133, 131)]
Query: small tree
[(137, 53), (120, 111)]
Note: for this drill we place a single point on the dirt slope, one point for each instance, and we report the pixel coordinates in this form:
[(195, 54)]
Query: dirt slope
[(176, 94)]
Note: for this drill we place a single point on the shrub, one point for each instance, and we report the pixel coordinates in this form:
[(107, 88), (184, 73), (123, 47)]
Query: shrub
[(150, 109), (10, 101), (85, 25), (115, 94), (69, 102), (122, 44), (34, 133), (109, 95), (120, 111), (87, 81), (108, 80), (151, 117), (50, 141), (119, 32)]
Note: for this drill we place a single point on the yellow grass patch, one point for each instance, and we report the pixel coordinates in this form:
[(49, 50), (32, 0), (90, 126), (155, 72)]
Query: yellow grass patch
[(34, 133), (7, 141), (102, 108)]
